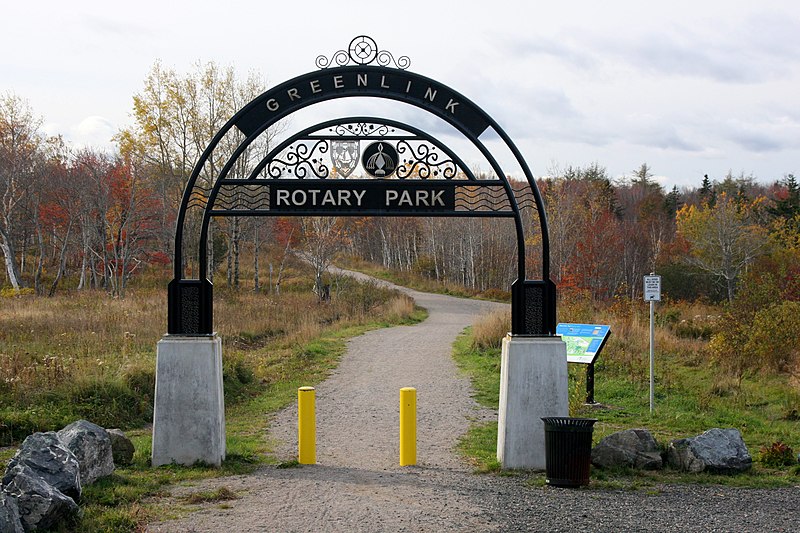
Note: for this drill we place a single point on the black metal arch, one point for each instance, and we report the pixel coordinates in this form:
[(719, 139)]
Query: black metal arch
[(312, 134), (191, 301)]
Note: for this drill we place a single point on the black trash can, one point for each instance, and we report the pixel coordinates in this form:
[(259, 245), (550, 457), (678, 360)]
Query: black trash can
[(568, 450)]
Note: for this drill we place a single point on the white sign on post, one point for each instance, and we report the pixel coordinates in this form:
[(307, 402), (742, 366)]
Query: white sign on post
[(652, 288), (652, 294)]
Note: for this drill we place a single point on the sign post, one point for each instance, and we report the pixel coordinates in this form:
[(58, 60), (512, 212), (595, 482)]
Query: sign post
[(652, 294), (584, 344)]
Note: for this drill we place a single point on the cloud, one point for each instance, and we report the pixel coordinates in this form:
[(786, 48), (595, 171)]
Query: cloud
[(658, 134), (758, 48), (561, 49), (756, 141), (93, 131)]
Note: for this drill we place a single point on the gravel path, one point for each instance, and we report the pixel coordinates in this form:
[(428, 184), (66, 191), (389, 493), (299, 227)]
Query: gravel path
[(357, 484)]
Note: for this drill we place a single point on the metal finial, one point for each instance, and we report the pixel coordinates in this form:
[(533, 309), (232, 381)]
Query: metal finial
[(363, 50)]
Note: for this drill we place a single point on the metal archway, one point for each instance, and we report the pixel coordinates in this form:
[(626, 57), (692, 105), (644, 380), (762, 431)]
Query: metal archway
[(275, 185)]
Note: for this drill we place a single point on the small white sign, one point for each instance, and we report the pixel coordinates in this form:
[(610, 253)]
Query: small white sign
[(652, 288)]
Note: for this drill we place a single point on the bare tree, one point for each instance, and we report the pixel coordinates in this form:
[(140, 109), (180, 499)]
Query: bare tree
[(21, 147)]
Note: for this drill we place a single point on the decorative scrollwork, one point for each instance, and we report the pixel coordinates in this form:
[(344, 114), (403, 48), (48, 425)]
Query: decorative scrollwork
[(424, 160), (362, 129), (386, 59), (339, 59), (299, 160), (362, 50)]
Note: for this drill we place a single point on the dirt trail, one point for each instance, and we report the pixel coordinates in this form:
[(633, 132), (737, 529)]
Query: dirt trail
[(358, 485)]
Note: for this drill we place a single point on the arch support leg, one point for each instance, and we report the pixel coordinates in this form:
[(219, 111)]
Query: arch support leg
[(190, 307), (533, 307)]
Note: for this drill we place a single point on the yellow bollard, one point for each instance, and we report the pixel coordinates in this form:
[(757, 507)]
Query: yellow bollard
[(306, 427), (408, 426)]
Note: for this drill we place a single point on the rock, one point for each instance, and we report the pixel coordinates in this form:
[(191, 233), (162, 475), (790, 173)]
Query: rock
[(121, 447), (634, 448), (9, 515), (92, 446), (46, 455), (681, 457), (719, 451), (41, 505)]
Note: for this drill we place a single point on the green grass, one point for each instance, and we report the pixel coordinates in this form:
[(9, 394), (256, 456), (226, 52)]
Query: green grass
[(689, 400)]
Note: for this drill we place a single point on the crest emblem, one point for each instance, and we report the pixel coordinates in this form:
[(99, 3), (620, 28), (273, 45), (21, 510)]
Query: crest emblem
[(344, 156), (380, 159)]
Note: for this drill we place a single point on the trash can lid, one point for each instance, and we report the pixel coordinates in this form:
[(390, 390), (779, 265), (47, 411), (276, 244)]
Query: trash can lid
[(567, 422)]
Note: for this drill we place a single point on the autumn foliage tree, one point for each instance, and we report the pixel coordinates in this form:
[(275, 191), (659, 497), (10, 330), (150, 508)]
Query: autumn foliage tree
[(725, 238)]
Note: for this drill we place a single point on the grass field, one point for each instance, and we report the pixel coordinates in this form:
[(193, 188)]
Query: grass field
[(85, 355), (690, 397)]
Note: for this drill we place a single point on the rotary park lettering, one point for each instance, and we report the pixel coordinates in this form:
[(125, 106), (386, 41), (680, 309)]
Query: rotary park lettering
[(367, 197)]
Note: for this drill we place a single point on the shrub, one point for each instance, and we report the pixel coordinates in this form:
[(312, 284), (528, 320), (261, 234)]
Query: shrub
[(142, 382), (109, 403), (772, 336), (10, 292), (691, 329), (777, 455), (238, 378), (15, 425)]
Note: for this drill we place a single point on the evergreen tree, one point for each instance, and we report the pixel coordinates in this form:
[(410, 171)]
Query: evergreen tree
[(789, 206), (673, 202), (708, 195)]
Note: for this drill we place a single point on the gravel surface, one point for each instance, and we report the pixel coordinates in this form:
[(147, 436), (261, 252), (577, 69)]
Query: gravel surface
[(358, 485)]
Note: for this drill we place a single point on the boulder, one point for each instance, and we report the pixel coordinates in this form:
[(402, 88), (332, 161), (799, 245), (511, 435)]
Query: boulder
[(121, 447), (9, 515), (92, 446), (41, 506), (634, 448), (47, 456), (719, 451)]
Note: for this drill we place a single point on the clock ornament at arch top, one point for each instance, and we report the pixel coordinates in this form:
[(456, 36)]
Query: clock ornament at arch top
[(380, 159)]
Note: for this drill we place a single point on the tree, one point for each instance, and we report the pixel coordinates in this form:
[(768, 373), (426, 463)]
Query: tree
[(707, 193), (724, 239), (321, 238), (21, 159), (176, 117), (584, 218), (130, 227), (787, 201), (673, 201)]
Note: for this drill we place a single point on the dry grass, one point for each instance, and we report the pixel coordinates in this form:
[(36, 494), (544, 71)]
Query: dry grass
[(489, 330), (49, 341), (84, 353)]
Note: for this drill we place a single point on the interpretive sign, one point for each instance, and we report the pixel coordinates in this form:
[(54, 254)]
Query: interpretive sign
[(652, 288), (584, 341)]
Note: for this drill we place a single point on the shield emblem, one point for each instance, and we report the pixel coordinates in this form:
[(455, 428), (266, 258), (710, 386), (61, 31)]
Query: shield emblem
[(344, 155)]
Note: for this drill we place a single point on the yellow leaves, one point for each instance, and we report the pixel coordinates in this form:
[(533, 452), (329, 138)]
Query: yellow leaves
[(773, 336), (786, 233)]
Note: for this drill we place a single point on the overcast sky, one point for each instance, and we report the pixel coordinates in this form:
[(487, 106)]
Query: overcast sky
[(689, 87)]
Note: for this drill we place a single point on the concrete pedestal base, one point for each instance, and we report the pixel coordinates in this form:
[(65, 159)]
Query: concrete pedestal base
[(189, 412), (533, 384)]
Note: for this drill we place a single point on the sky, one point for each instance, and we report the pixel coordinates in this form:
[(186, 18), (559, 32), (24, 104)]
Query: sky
[(688, 87)]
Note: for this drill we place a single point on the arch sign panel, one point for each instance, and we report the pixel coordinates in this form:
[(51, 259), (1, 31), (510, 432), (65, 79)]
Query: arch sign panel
[(405, 171)]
